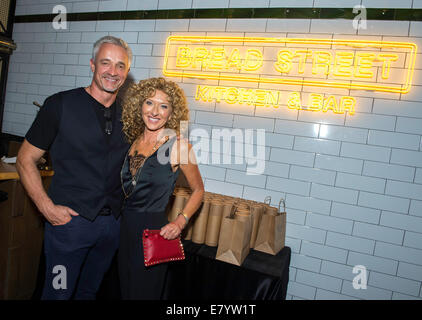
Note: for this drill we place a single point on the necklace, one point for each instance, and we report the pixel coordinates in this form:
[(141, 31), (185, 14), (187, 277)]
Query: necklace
[(136, 162)]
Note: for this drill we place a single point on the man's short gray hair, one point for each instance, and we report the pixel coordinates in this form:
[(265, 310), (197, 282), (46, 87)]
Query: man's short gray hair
[(113, 40)]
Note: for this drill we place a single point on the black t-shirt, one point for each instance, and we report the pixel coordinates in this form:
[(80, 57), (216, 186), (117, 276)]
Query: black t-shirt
[(46, 124)]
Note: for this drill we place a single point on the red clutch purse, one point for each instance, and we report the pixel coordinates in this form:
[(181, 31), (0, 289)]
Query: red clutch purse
[(158, 250)]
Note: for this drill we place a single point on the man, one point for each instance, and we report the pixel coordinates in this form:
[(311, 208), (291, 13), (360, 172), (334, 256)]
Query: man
[(81, 128)]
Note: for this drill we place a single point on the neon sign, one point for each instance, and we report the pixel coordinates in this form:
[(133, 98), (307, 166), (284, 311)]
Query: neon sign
[(384, 66), (334, 63)]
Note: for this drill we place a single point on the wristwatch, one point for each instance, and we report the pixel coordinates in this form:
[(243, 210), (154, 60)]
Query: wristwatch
[(185, 216)]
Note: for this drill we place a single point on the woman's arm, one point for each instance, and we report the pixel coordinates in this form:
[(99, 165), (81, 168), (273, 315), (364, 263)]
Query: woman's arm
[(194, 179)]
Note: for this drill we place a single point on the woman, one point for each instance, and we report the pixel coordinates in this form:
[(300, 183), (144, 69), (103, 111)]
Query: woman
[(151, 109)]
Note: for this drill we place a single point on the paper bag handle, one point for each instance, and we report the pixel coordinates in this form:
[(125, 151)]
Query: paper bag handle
[(233, 210), (284, 205)]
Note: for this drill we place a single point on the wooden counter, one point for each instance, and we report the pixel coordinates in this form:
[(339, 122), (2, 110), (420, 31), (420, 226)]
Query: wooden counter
[(21, 236), (8, 171)]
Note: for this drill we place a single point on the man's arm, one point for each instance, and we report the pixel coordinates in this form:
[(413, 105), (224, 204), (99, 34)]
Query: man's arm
[(26, 164)]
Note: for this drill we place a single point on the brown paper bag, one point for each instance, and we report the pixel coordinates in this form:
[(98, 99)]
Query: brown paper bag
[(272, 230), (234, 240), (201, 219), (214, 222), (187, 231), (229, 202), (256, 211)]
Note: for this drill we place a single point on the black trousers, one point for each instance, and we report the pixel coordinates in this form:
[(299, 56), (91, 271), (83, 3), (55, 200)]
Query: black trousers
[(78, 254), (138, 282)]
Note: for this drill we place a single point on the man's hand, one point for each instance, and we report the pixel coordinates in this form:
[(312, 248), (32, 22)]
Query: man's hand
[(59, 215), (26, 164)]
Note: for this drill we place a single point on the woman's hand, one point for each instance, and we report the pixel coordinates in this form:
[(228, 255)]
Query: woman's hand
[(171, 231)]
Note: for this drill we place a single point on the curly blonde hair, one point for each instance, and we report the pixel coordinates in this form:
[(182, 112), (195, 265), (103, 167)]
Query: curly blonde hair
[(137, 93)]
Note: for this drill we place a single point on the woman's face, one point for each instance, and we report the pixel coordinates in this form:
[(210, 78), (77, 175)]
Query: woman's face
[(156, 111)]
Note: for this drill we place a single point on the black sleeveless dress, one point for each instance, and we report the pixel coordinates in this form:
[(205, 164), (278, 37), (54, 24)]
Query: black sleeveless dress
[(147, 195)]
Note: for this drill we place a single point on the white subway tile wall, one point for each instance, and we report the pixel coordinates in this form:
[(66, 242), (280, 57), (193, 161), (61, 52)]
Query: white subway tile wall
[(352, 184)]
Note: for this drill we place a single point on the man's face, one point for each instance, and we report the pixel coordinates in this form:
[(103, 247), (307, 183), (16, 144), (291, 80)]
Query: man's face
[(110, 67)]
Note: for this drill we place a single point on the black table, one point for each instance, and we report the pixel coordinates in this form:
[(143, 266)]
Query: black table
[(201, 277)]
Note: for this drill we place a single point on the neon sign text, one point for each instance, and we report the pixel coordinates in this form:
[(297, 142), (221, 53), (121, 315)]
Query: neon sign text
[(384, 66), (272, 98)]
